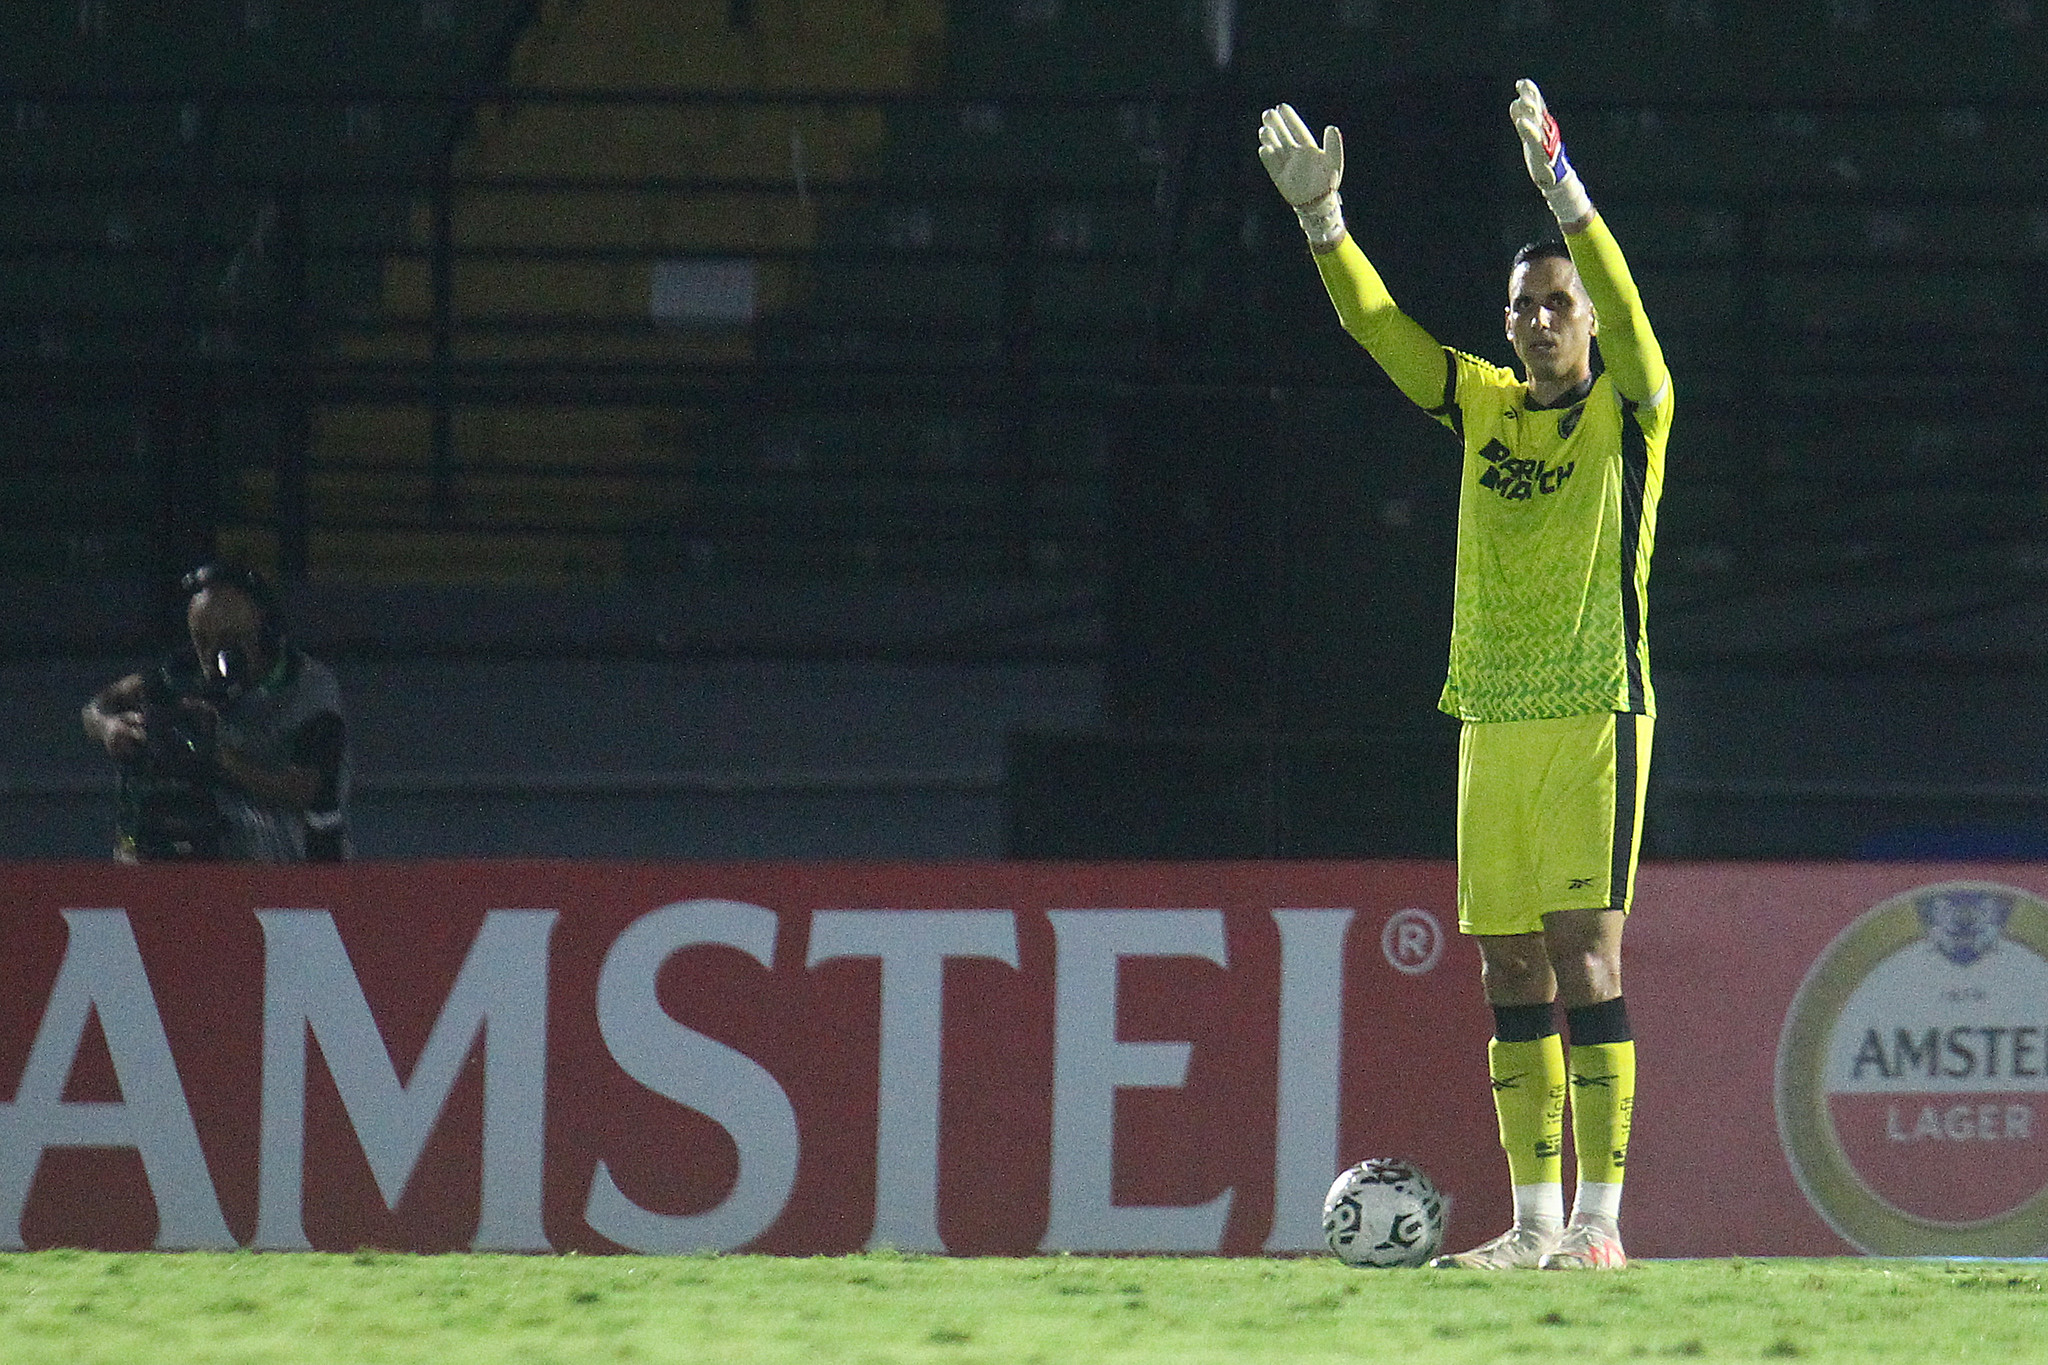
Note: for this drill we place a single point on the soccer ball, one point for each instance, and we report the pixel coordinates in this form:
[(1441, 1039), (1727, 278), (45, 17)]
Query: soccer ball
[(1384, 1213)]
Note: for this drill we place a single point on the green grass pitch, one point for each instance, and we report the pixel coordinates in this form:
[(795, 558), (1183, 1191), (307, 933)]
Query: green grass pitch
[(307, 1309)]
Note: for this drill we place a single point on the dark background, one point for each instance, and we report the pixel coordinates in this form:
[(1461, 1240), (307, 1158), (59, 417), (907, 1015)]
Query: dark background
[(1033, 504)]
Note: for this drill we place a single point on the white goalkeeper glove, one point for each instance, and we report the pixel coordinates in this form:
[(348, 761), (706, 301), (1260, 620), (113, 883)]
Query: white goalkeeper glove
[(1543, 153), (1306, 175)]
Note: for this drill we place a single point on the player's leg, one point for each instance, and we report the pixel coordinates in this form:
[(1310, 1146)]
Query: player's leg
[(1526, 1063), (1525, 1058), (1586, 947), (1597, 822)]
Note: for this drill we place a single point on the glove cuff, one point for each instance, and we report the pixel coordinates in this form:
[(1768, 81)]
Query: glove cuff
[(1322, 219), (1567, 198)]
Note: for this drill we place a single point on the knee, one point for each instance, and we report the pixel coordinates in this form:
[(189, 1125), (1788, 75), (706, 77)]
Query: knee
[(1584, 948), (1516, 978), (1587, 975)]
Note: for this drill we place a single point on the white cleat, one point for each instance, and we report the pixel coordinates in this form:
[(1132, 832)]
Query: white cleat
[(1585, 1247), (1522, 1247)]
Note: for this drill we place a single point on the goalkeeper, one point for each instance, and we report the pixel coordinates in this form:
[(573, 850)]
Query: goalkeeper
[(1549, 668)]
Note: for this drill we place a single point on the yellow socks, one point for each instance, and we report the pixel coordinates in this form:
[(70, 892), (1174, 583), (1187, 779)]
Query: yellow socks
[(1528, 1065), (1528, 1098), (1603, 1082), (1603, 1098)]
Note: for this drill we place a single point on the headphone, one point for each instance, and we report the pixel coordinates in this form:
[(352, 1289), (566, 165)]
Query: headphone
[(225, 574)]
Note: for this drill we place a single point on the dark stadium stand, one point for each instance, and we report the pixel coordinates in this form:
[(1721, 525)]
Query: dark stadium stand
[(991, 297)]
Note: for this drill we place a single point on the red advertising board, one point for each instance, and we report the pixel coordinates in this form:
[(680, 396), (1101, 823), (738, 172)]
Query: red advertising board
[(995, 1058), (1840, 1057)]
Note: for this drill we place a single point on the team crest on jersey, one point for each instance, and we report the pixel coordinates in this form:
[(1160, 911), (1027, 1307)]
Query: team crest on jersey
[(1519, 480)]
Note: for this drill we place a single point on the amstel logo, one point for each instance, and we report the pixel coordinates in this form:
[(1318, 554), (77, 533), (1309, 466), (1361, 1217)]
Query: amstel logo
[(1912, 1085)]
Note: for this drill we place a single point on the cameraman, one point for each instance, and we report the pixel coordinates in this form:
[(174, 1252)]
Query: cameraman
[(235, 749)]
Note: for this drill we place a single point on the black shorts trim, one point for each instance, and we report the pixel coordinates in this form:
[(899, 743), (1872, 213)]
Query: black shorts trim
[(1628, 779)]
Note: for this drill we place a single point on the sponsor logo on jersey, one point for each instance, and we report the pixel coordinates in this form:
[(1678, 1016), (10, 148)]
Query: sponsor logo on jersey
[(1912, 1080), (1519, 480)]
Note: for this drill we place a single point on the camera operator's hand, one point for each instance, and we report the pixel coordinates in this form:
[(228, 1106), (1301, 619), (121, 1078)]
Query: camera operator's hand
[(113, 719), (123, 735), (181, 738)]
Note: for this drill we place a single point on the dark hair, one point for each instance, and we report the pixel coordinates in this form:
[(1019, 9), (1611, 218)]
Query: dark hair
[(1540, 248), (223, 573)]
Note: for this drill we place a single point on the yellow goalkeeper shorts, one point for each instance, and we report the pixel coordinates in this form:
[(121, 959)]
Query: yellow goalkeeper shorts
[(1550, 817)]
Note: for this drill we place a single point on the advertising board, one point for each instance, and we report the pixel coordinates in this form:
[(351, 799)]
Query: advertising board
[(1000, 1058)]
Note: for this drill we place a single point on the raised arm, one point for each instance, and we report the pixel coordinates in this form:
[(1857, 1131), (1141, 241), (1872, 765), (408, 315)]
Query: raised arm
[(1634, 359), (1412, 358), (1307, 176), (1627, 345)]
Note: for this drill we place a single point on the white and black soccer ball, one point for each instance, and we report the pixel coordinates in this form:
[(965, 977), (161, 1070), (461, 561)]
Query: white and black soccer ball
[(1384, 1213)]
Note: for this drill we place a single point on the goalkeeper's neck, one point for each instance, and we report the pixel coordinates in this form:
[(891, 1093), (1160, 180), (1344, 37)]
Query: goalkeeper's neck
[(1544, 393)]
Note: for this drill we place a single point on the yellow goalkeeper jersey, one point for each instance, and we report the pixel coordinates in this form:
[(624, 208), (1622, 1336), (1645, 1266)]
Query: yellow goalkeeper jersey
[(1557, 510)]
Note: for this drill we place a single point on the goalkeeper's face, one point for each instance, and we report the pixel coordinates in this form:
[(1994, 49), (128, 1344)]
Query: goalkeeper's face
[(1550, 322)]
